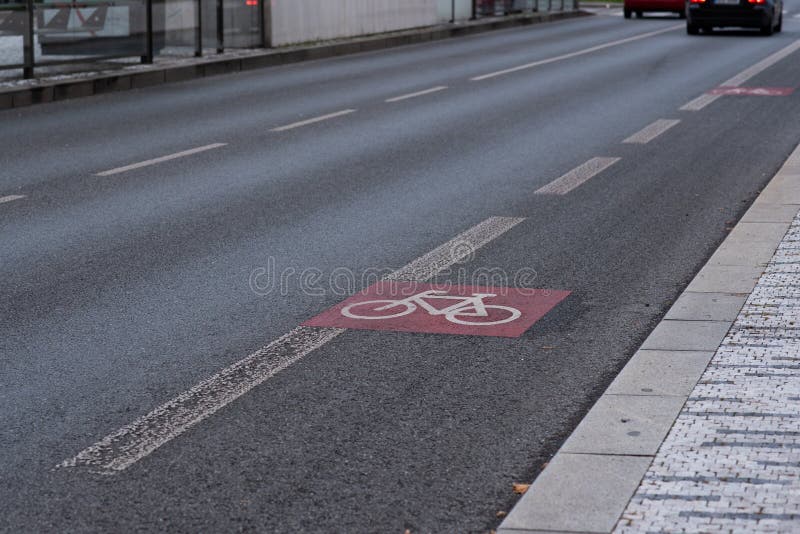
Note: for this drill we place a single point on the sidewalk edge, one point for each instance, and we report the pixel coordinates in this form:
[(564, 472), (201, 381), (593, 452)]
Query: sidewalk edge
[(592, 478), (81, 85)]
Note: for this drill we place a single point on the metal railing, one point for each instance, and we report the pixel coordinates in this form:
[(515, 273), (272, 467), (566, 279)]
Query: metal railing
[(39, 33), (49, 33)]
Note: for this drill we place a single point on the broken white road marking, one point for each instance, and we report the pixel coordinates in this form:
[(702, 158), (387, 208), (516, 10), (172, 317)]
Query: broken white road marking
[(162, 159), (11, 198), (418, 93), (650, 132), (577, 176), (313, 120)]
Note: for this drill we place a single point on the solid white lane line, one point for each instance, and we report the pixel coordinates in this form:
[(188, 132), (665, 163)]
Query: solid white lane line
[(131, 443), (418, 93), (762, 65), (651, 131), (162, 159), (10, 198), (703, 100), (577, 176), (455, 250), (576, 53), (313, 120)]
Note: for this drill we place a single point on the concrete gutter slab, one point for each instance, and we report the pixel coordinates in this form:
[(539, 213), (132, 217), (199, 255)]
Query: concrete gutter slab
[(633, 425), (578, 493), (706, 307), (661, 372)]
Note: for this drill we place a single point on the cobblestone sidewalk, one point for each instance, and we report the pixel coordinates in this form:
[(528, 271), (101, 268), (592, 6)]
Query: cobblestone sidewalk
[(731, 462)]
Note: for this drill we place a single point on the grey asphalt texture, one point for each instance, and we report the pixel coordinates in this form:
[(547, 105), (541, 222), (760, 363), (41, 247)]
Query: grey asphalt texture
[(118, 293)]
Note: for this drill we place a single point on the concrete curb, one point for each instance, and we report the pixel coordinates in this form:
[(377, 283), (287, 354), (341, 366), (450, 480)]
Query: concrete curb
[(42, 91), (591, 479)]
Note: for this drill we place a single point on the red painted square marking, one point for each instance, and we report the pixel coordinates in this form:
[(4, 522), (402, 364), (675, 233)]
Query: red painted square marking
[(753, 91), (441, 309)]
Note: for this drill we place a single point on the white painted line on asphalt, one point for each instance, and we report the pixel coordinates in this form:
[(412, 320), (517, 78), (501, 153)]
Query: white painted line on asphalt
[(699, 103), (761, 66), (651, 131), (418, 93), (11, 198), (703, 100), (313, 120), (576, 53), (797, 16), (162, 159), (577, 176), (455, 250), (131, 443)]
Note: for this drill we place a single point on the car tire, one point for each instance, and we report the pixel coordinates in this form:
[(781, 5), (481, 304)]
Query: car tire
[(779, 27), (708, 29), (639, 14), (627, 13), (682, 14), (692, 29), (768, 29)]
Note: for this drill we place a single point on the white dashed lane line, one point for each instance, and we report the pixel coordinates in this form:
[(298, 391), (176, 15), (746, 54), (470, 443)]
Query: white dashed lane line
[(705, 99), (313, 120), (131, 443), (161, 159), (11, 198), (416, 94), (577, 176), (651, 131), (576, 53)]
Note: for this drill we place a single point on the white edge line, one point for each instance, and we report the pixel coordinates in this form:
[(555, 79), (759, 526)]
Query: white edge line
[(651, 131), (11, 198), (575, 54), (123, 448), (161, 159), (416, 94), (313, 120)]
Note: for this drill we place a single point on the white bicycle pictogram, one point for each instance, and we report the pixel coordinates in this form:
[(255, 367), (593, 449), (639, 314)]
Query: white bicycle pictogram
[(458, 313)]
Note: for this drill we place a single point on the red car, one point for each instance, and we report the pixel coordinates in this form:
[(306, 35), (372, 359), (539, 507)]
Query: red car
[(640, 6)]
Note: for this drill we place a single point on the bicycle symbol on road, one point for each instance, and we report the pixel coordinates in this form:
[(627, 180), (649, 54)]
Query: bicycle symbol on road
[(467, 310)]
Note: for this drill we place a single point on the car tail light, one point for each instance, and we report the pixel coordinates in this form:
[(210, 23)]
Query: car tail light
[(697, 1), (251, 2), (756, 1)]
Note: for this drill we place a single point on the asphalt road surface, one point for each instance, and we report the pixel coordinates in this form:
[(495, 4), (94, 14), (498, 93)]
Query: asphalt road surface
[(124, 286)]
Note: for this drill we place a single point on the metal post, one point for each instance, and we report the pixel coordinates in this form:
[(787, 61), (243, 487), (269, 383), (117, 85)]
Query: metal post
[(453, 11), (198, 34), (27, 42), (474, 10), (562, 5), (549, 5), (262, 17), (148, 53), (220, 29)]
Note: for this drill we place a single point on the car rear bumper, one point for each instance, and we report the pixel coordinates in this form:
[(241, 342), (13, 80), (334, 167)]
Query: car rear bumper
[(740, 16)]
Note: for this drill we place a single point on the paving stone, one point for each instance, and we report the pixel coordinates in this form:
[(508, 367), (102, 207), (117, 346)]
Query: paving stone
[(731, 462)]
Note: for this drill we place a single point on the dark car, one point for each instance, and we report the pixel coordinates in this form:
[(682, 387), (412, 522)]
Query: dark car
[(766, 15)]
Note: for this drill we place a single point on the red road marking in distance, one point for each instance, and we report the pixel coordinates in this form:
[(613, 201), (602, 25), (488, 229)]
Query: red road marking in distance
[(403, 306), (752, 91)]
